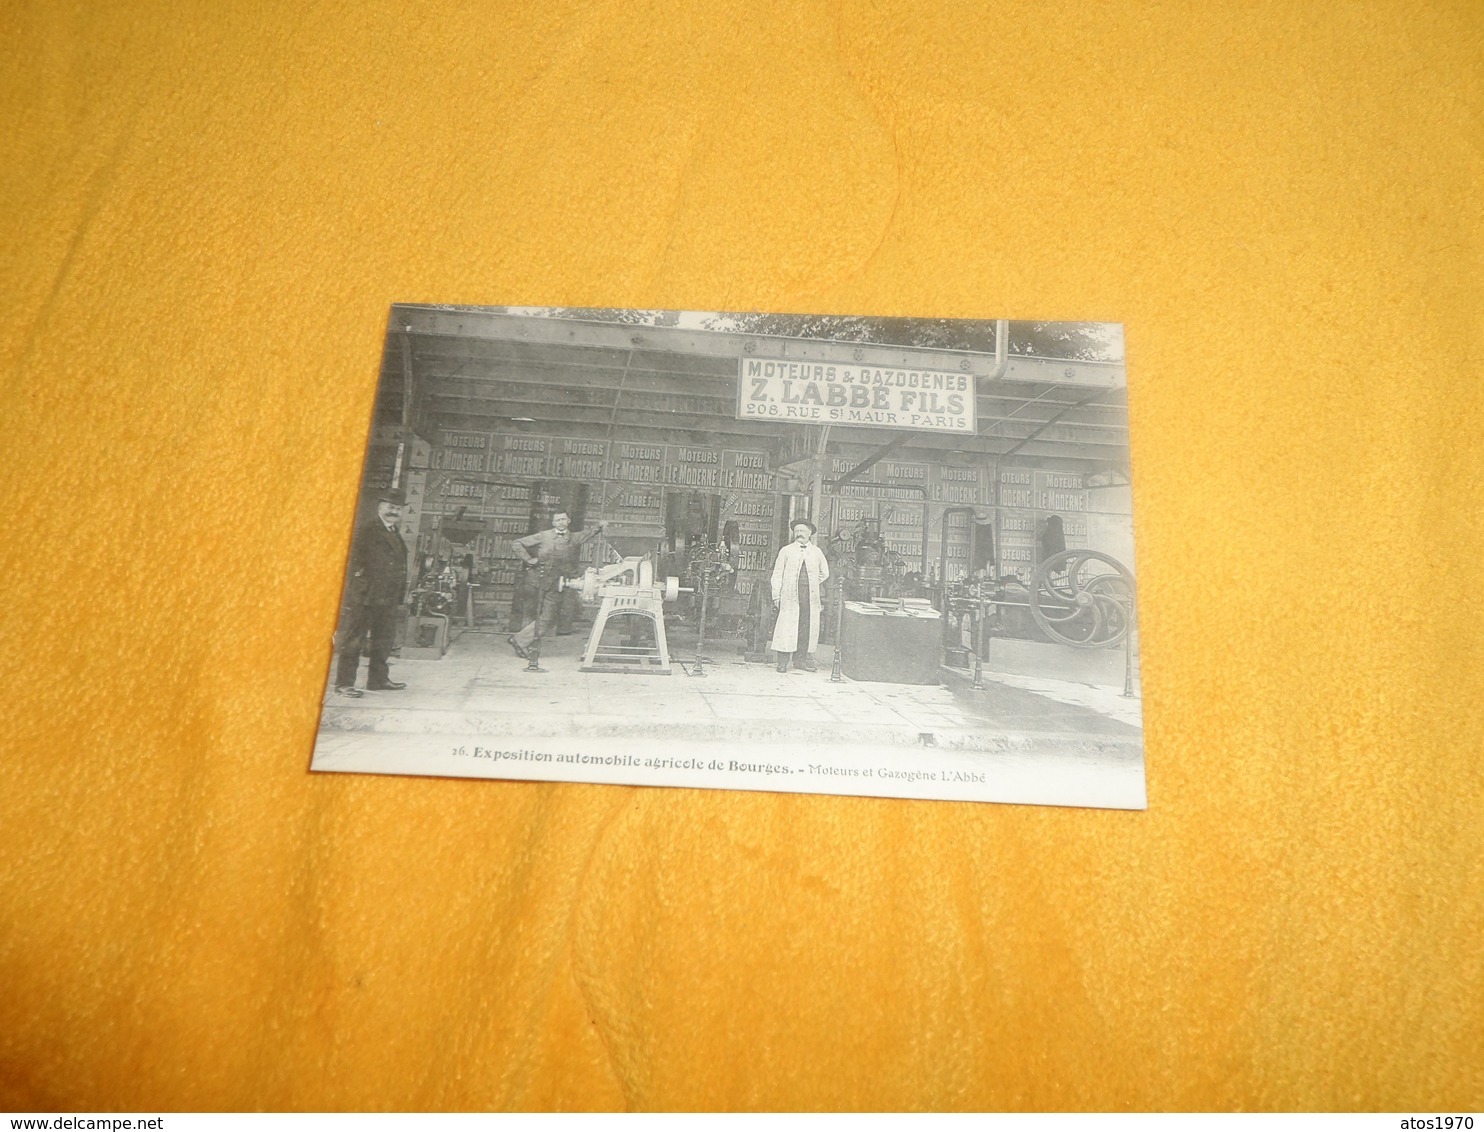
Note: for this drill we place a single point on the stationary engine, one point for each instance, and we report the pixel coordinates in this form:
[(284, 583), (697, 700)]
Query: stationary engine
[(627, 591)]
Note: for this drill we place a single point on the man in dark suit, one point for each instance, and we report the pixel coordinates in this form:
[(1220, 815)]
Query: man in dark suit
[(375, 589)]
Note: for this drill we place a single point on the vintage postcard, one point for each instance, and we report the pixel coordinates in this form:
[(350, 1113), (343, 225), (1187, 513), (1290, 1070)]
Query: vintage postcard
[(808, 553)]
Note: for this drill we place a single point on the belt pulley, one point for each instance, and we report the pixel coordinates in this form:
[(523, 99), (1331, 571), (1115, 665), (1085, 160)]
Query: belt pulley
[(1083, 598)]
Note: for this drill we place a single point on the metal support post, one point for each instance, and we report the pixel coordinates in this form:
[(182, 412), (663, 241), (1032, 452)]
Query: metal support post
[(533, 651), (985, 636), (699, 669), (817, 503), (836, 677)]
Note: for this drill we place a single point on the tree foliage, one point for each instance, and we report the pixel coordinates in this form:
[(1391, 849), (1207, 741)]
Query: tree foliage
[(621, 315), (1075, 341), (1084, 341)]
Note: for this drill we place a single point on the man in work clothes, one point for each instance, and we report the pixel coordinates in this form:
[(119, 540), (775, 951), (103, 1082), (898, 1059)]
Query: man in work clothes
[(375, 589), (551, 555), (798, 575)]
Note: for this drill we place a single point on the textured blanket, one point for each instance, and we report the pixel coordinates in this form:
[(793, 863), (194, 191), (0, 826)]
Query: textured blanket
[(208, 210)]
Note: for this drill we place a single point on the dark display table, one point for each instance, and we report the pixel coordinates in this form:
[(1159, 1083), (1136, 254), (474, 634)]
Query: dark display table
[(890, 648)]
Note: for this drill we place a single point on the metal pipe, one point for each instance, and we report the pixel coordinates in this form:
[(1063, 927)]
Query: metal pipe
[(962, 509), (998, 534), (405, 441), (1023, 441), (699, 669), (816, 504), (926, 519), (981, 648), (623, 380), (874, 458), (1001, 349), (837, 668)]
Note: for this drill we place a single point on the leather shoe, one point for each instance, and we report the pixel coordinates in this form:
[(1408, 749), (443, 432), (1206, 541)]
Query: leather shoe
[(808, 665), (347, 690), (520, 652), (389, 686)]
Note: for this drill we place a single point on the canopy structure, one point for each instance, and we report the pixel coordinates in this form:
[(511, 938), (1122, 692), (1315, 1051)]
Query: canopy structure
[(482, 370)]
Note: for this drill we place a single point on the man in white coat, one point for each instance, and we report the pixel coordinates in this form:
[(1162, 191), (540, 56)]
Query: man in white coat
[(798, 575)]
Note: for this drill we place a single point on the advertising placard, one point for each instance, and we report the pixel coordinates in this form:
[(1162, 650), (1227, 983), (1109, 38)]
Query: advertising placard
[(924, 400)]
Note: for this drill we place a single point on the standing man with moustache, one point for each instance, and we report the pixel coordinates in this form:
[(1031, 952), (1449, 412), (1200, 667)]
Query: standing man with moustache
[(550, 555), (798, 577), (375, 590)]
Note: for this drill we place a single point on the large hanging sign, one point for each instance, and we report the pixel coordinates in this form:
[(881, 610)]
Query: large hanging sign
[(928, 400)]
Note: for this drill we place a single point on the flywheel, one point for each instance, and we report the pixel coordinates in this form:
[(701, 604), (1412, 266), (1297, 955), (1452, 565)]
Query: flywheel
[(1083, 598)]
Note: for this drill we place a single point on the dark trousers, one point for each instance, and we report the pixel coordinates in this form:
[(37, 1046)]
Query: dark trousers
[(356, 621), (523, 603), (567, 610), (527, 600), (545, 616), (806, 618)]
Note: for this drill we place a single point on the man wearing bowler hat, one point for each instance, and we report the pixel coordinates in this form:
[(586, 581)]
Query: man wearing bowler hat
[(798, 575), (375, 589)]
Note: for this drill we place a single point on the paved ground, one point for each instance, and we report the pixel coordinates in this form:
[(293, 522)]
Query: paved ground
[(1084, 734), (481, 676)]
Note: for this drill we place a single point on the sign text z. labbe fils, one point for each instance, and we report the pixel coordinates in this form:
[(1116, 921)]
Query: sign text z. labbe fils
[(867, 396)]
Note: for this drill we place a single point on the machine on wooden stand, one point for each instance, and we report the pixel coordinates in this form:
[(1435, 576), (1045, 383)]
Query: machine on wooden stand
[(629, 594)]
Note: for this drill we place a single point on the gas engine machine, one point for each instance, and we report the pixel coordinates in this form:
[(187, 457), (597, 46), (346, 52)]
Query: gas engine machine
[(627, 591)]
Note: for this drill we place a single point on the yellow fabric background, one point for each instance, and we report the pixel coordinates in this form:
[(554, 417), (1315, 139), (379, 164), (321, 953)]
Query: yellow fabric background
[(208, 209)]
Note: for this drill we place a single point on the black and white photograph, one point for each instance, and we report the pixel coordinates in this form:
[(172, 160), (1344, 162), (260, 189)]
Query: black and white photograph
[(831, 554)]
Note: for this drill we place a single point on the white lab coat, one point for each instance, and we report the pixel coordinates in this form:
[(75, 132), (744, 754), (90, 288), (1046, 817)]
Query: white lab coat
[(785, 582)]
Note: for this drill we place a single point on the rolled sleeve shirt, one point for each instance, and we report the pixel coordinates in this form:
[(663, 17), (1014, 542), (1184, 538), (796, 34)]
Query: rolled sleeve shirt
[(555, 551)]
